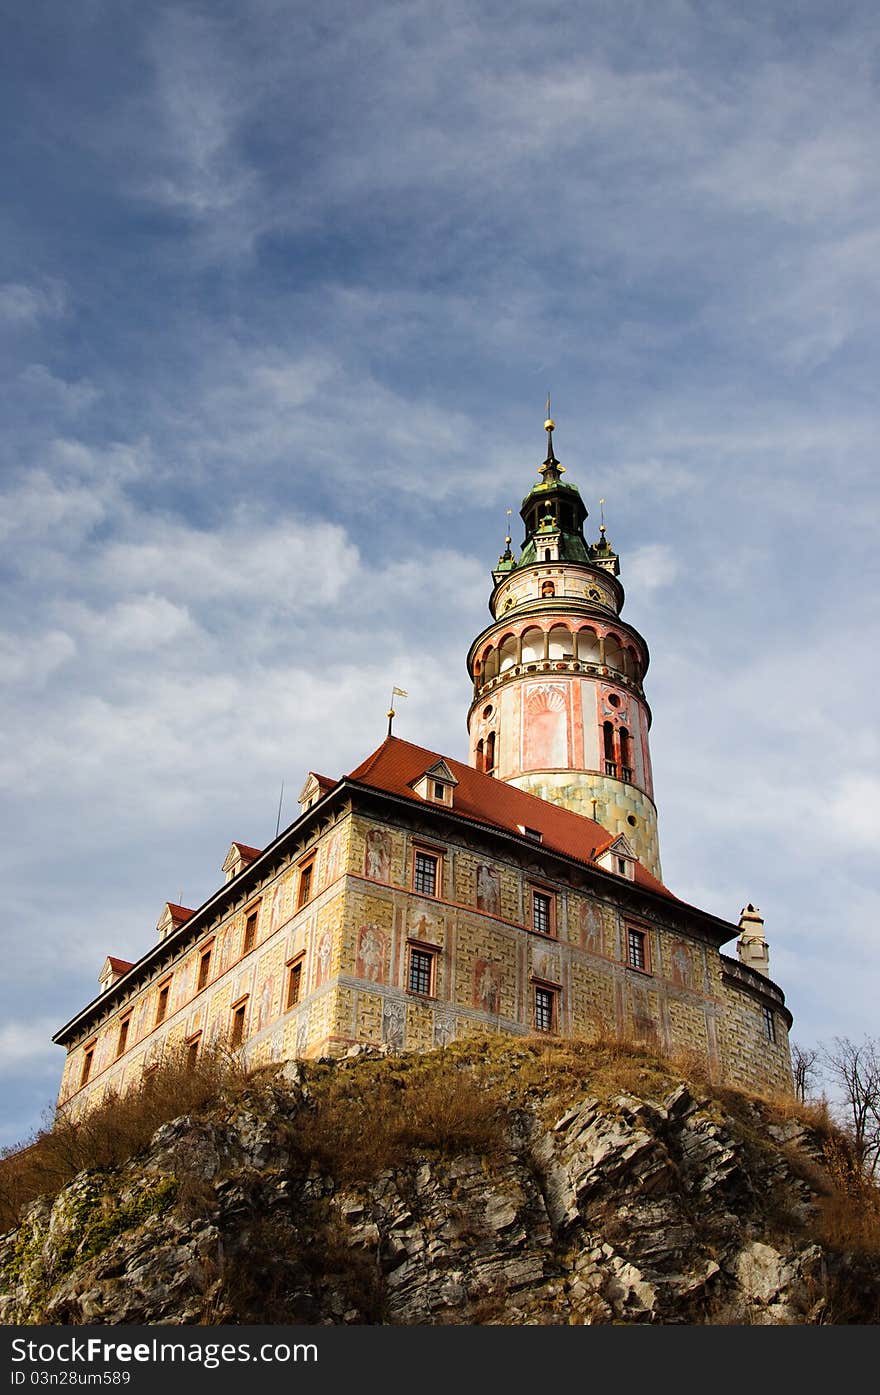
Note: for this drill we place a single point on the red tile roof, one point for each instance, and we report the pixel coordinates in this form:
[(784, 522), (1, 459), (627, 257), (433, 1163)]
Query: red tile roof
[(179, 912), (247, 851), (119, 966), (397, 764)]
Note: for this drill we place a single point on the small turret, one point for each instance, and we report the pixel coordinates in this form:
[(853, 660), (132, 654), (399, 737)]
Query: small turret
[(751, 946)]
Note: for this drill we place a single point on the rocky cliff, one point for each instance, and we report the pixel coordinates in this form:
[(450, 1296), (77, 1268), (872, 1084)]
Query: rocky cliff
[(494, 1182)]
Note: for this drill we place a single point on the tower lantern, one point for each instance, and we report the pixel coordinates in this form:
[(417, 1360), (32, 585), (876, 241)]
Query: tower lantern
[(558, 706)]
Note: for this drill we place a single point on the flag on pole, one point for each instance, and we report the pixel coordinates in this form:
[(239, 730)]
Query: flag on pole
[(399, 692)]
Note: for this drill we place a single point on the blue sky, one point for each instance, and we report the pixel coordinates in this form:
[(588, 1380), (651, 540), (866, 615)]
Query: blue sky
[(283, 290)]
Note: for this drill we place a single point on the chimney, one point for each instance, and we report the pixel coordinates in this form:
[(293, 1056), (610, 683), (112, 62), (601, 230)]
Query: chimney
[(751, 946)]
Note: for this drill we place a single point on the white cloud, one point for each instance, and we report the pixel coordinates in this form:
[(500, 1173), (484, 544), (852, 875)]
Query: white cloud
[(27, 660), (21, 304)]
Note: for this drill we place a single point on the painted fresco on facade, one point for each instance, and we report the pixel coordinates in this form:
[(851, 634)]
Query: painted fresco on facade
[(487, 986), (682, 968), (333, 859), (266, 1006), (591, 928), (277, 912), (423, 926), (372, 954), (545, 735), (393, 1023), (488, 889), (377, 855), (322, 959)]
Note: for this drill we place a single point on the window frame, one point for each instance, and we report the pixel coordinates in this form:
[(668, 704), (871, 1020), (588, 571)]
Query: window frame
[(553, 992), (192, 1046), (549, 895), (238, 1011), (306, 890), (122, 1034), (297, 966), (251, 921), (645, 940), (768, 1017), (163, 999), (88, 1061), (203, 977), (432, 954), (425, 850)]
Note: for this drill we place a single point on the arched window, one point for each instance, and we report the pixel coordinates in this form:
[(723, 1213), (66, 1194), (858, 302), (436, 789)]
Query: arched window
[(490, 665), (490, 753), (608, 739), (588, 646), (613, 653), (533, 646), (560, 646), (546, 554), (625, 754), (507, 653), (547, 587), (480, 762)]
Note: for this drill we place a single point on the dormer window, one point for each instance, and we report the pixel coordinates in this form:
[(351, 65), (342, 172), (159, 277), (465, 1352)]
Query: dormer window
[(534, 833), (315, 787), (436, 785), (619, 858)]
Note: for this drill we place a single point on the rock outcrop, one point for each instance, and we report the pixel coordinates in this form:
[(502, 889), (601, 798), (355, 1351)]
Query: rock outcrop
[(659, 1203)]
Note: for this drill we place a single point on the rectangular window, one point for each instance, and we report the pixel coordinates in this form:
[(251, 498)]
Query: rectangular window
[(192, 1053), (88, 1057), (250, 932), (237, 1035), (122, 1039), (425, 866), (545, 1009), (294, 984), (769, 1024), (635, 948), (162, 1002), (204, 970), (542, 912), (305, 883), (420, 977)]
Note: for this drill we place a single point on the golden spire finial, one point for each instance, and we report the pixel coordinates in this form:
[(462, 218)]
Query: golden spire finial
[(549, 424)]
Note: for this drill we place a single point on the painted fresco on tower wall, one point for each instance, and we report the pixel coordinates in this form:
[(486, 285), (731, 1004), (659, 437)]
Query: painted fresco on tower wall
[(545, 727), (372, 954), (322, 958), (333, 859), (393, 1024), (377, 855), (423, 926)]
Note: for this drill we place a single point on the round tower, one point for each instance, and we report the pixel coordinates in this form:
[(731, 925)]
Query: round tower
[(558, 706)]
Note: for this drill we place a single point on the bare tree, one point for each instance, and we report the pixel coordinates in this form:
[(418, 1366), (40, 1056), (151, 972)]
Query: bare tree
[(854, 1067), (804, 1068)]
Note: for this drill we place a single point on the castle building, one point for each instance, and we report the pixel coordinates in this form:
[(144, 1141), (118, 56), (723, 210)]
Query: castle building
[(419, 898)]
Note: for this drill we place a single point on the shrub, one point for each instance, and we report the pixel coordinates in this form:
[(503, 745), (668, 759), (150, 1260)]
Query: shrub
[(113, 1131)]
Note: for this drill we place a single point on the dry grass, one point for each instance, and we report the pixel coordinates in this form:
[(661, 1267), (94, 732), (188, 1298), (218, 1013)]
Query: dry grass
[(849, 1216), (113, 1131), (360, 1121)]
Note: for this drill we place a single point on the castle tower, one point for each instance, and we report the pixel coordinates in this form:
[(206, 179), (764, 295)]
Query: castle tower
[(558, 706)]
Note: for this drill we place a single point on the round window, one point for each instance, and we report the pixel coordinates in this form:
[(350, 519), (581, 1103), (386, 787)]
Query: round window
[(613, 700), (487, 712)]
